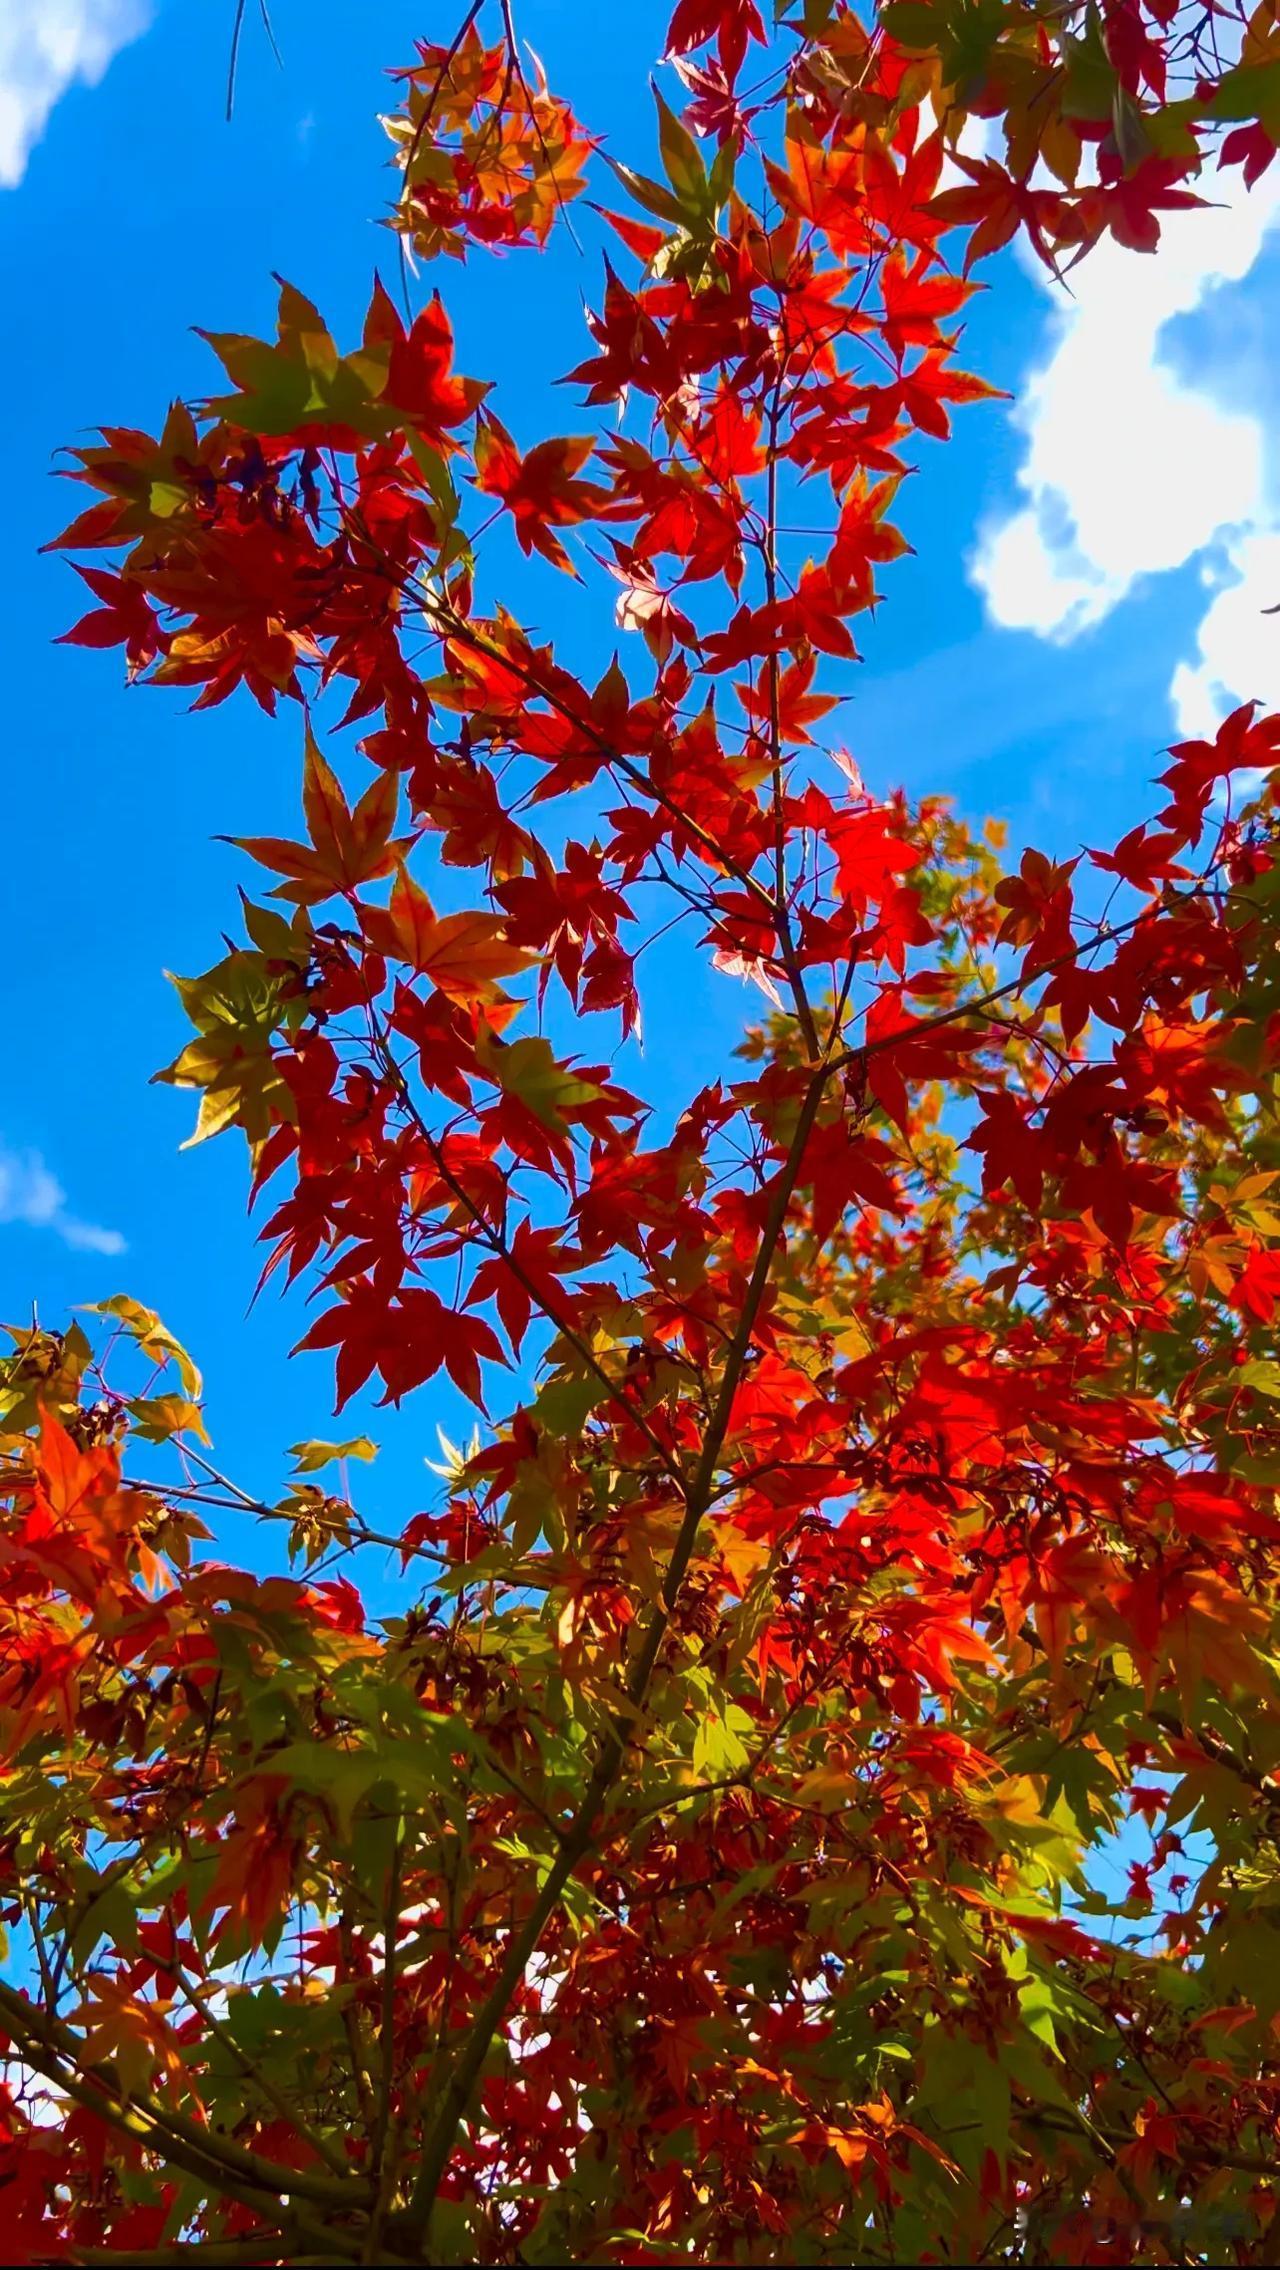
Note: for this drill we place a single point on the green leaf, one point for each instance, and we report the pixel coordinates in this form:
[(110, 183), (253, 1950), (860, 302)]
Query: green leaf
[(966, 49), (299, 380), (1089, 90), (562, 1406), (720, 178), (153, 1337), (912, 23), (681, 158), (238, 991), (311, 1456), (1129, 128), (109, 1915), (435, 473), (528, 1070), (158, 1418), (275, 936), (236, 1007), (649, 194), (346, 1779), (718, 1747), (1250, 91), (1039, 2003)]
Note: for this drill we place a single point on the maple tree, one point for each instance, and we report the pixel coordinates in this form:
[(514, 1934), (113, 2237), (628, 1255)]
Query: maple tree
[(703, 1864)]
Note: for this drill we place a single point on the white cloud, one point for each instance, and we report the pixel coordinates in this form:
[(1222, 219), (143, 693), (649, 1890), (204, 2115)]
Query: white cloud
[(1129, 470), (30, 1194), (44, 46), (1239, 645)]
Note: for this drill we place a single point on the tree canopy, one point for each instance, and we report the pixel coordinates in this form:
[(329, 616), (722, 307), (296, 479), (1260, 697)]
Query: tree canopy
[(872, 1516)]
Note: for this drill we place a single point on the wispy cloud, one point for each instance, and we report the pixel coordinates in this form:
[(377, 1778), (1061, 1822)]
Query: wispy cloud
[(33, 1196), (1130, 470), (44, 46)]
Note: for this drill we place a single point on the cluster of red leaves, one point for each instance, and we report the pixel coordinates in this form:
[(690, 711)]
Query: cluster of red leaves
[(488, 154)]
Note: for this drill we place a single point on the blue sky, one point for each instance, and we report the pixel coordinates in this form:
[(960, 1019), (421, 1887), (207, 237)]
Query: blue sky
[(1090, 568)]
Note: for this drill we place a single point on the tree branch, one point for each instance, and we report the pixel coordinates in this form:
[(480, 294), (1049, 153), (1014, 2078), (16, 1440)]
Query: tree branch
[(53, 2050), (577, 1838)]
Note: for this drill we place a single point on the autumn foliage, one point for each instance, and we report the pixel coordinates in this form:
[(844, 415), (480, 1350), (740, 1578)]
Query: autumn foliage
[(715, 1858)]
